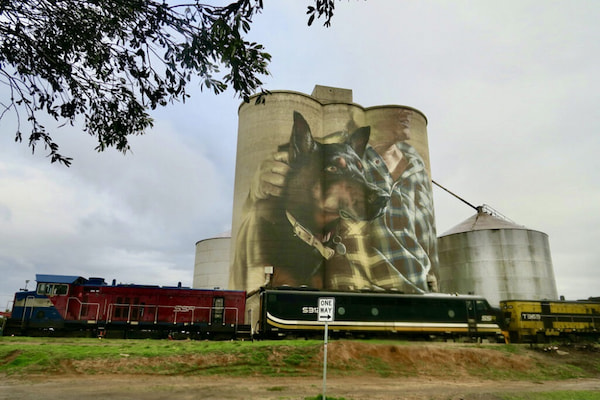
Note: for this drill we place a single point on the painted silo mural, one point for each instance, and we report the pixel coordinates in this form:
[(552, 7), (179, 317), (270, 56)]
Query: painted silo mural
[(332, 195)]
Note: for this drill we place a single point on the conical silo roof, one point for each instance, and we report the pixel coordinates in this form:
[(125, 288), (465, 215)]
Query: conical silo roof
[(484, 219)]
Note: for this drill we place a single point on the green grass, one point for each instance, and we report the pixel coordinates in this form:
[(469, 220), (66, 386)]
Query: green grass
[(21, 356), (52, 355)]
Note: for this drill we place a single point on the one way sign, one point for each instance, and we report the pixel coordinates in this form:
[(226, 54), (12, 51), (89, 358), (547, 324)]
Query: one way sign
[(326, 309)]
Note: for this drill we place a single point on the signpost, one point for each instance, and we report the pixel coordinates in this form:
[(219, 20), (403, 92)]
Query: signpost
[(326, 314)]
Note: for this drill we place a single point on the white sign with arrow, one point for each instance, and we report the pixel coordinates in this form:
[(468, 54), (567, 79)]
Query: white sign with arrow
[(326, 314), (326, 309)]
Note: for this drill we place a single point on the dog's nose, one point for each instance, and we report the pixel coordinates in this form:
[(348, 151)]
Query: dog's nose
[(377, 204)]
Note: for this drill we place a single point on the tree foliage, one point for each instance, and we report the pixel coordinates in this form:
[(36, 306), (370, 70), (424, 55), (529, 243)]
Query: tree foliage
[(111, 61)]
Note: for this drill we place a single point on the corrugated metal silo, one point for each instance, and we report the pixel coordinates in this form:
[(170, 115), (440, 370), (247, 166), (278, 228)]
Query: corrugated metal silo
[(491, 256)]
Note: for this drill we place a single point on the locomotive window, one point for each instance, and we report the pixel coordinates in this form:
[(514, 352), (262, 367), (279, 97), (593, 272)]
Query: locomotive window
[(451, 313), (52, 289), (60, 289), (341, 310), (41, 289), (135, 310), (481, 306), (374, 311), (119, 309), (218, 310)]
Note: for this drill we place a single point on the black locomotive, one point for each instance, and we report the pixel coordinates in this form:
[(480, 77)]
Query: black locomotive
[(295, 312)]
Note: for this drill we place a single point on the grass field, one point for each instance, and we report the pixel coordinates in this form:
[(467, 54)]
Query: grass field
[(93, 356), (20, 355)]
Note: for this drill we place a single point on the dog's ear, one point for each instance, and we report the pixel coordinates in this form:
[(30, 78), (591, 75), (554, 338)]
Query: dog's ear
[(358, 140), (301, 141)]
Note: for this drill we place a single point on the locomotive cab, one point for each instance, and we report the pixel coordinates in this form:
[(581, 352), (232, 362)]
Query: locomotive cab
[(38, 311)]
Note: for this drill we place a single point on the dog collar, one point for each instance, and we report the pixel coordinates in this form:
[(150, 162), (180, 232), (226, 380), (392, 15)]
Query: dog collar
[(307, 237)]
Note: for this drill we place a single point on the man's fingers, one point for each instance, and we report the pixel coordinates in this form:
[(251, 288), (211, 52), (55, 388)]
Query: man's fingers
[(269, 179), (271, 190), (282, 156), (273, 179), (278, 168)]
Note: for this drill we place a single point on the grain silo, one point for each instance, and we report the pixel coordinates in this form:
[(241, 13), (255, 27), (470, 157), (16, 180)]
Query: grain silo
[(328, 111), (492, 256), (314, 176), (211, 265)]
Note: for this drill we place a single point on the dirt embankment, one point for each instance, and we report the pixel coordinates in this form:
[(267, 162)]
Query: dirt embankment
[(349, 358), (356, 370)]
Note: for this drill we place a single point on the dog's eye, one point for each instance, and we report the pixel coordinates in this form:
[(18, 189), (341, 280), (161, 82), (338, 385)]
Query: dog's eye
[(331, 168)]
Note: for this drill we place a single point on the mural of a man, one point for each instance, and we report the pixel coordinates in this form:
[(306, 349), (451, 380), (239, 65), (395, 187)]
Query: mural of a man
[(397, 251)]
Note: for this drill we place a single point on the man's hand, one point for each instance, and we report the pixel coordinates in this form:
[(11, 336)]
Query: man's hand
[(270, 176)]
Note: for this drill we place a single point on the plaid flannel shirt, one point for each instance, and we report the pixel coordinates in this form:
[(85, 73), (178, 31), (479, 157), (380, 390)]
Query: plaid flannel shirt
[(397, 251)]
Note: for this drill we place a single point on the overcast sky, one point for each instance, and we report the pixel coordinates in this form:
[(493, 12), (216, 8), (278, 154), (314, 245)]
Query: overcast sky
[(510, 89)]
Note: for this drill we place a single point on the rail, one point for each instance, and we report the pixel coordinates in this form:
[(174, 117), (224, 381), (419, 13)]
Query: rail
[(81, 304), (574, 318), (10, 305), (25, 310), (177, 310)]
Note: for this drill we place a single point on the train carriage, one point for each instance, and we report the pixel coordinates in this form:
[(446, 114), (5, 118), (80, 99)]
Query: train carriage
[(542, 320), (294, 312), (63, 304)]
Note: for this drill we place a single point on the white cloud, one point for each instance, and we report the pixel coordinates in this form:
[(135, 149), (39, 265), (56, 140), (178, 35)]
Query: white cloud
[(510, 90), (134, 217)]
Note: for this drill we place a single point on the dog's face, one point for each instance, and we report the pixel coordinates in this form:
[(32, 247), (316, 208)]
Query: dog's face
[(327, 181)]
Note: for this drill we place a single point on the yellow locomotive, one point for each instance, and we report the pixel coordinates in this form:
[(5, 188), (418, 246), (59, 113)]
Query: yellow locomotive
[(540, 320)]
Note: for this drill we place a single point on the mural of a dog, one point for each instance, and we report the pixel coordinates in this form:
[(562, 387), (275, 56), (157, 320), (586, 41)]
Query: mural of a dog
[(295, 233)]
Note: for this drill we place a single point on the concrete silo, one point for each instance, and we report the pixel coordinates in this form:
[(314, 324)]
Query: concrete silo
[(211, 265), (294, 223), (491, 256), (264, 127)]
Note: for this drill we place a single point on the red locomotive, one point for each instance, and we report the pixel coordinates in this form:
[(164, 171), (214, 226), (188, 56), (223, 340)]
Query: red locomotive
[(73, 305)]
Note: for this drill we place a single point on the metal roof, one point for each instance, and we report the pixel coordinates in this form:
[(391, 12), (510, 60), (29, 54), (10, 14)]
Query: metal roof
[(481, 221), (58, 278)]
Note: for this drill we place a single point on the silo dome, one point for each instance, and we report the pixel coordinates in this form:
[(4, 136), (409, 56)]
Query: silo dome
[(211, 265), (491, 256)]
